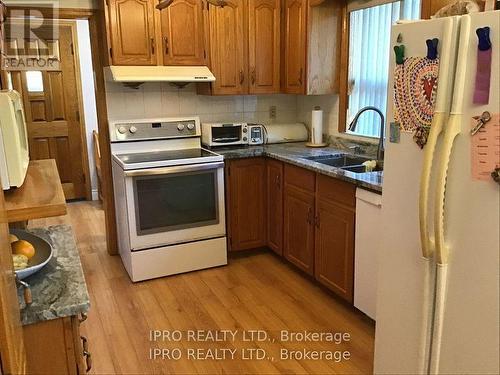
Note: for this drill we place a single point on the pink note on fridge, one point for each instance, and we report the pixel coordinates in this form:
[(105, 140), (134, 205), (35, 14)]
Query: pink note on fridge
[(485, 148)]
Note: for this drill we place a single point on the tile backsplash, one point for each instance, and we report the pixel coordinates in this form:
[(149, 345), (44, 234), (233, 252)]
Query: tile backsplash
[(164, 100)]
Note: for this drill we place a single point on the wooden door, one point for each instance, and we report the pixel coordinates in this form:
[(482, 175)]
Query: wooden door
[(228, 48), (12, 352), (246, 202), (264, 46), (132, 29), (275, 206), (299, 228), (182, 32), (334, 248), (295, 43), (53, 113)]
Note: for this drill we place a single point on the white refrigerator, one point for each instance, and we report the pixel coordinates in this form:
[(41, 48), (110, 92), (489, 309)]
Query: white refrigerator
[(438, 269)]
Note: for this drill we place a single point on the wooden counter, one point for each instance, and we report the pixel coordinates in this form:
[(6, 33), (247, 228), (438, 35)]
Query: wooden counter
[(41, 194)]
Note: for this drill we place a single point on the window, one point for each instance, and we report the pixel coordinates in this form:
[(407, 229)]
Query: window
[(369, 53), (34, 81)]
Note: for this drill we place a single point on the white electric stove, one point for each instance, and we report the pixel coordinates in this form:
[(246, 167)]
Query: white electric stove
[(169, 197)]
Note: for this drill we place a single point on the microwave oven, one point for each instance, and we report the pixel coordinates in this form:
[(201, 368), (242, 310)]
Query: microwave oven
[(231, 134), (14, 154)]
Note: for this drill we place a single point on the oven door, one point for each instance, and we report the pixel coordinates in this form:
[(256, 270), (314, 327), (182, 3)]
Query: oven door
[(175, 204), (227, 135)]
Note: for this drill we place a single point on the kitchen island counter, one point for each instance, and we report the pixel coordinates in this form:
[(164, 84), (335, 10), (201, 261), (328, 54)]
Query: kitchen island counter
[(59, 289)]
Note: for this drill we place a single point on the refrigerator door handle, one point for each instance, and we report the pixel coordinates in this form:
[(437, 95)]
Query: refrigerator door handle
[(427, 244)]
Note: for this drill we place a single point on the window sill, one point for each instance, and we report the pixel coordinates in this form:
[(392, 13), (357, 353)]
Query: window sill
[(358, 137)]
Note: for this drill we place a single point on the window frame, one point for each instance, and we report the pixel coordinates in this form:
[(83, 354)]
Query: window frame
[(427, 7)]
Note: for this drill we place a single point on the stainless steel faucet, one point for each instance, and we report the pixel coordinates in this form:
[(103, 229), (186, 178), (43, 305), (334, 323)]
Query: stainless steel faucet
[(352, 126)]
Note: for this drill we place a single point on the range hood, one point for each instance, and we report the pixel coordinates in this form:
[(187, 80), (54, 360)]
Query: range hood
[(140, 74)]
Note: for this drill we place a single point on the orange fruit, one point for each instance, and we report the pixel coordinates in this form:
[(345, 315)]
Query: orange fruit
[(23, 247)]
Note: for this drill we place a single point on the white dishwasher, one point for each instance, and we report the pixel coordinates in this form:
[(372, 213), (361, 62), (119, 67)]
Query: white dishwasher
[(367, 244)]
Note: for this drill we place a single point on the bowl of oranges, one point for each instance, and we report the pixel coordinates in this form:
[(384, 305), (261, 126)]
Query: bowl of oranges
[(30, 253)]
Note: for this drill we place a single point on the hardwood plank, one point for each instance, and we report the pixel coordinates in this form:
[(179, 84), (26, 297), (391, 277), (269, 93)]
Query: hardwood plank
[(257, 290), (41, 194)]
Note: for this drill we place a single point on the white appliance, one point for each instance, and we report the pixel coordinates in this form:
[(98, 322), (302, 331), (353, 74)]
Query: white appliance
[(367, 245), (169, 198), (284, 133), (224, 134), (14, 153), (438, 284), (143, 74)]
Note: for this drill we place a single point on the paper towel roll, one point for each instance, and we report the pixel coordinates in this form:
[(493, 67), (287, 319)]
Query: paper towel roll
[(317, 126)]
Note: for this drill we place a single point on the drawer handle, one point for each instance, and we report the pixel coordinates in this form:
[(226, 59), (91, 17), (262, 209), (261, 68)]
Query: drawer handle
[(166, 45), (83, 317), (316, 220), (153, 46), (86, 353), (242, 77)]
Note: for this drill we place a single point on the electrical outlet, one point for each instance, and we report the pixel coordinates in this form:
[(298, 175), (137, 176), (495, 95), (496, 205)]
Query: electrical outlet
[(272, 112)]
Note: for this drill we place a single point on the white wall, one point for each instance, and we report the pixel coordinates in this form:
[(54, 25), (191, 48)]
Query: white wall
[(330, 106), (88, 95), (163, 100)]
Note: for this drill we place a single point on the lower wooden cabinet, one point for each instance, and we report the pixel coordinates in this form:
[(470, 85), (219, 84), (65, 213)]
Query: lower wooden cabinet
[(275, 205), (56, 347), (299, 228), (246, 195), (334, 248), (308, 218)]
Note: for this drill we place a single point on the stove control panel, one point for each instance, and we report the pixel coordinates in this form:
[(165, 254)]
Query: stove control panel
[(122, 131)]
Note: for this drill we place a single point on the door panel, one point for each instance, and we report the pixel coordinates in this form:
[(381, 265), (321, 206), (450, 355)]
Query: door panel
[(264, 46), (182, 31), (247, 204), (334, 248), (299, 228), (132, 32), (228, 48), (275, 206), (52, 113), (295, 46)]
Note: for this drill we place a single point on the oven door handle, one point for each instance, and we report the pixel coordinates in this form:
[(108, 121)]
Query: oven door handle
[(174, 169)]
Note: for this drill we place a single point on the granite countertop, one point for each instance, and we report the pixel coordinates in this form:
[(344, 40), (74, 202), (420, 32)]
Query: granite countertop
[(59, 289), (295, 153)]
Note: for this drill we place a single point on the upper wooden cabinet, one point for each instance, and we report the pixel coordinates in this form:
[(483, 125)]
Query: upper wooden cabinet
[(246, 203), (294, 46), (228, 57), (311, 46), (264, 46), (132, 32), (182, 33)]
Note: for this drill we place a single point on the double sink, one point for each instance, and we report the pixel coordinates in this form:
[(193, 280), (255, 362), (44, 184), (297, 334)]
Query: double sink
[(345, 162)]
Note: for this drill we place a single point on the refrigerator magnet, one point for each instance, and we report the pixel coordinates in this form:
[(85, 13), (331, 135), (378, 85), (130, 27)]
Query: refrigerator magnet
[(394, 132), (483, 67)]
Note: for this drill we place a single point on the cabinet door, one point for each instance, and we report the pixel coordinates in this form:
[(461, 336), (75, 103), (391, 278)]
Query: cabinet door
[(182, 32), (228, 48), (264, 46), (275, 206), (132, 32), (295, 29), (299, 228), (334, 247), (247, 203)]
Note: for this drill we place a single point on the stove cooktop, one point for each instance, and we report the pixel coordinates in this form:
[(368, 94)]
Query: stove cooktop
[(153, 159)]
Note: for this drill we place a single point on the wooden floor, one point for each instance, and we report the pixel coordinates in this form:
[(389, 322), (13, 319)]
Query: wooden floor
[(257, 291)]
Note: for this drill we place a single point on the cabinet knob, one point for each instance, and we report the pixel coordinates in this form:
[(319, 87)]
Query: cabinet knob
[(301, 72), (153, 46), (253, 76), (86, 353), (242, 77)]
